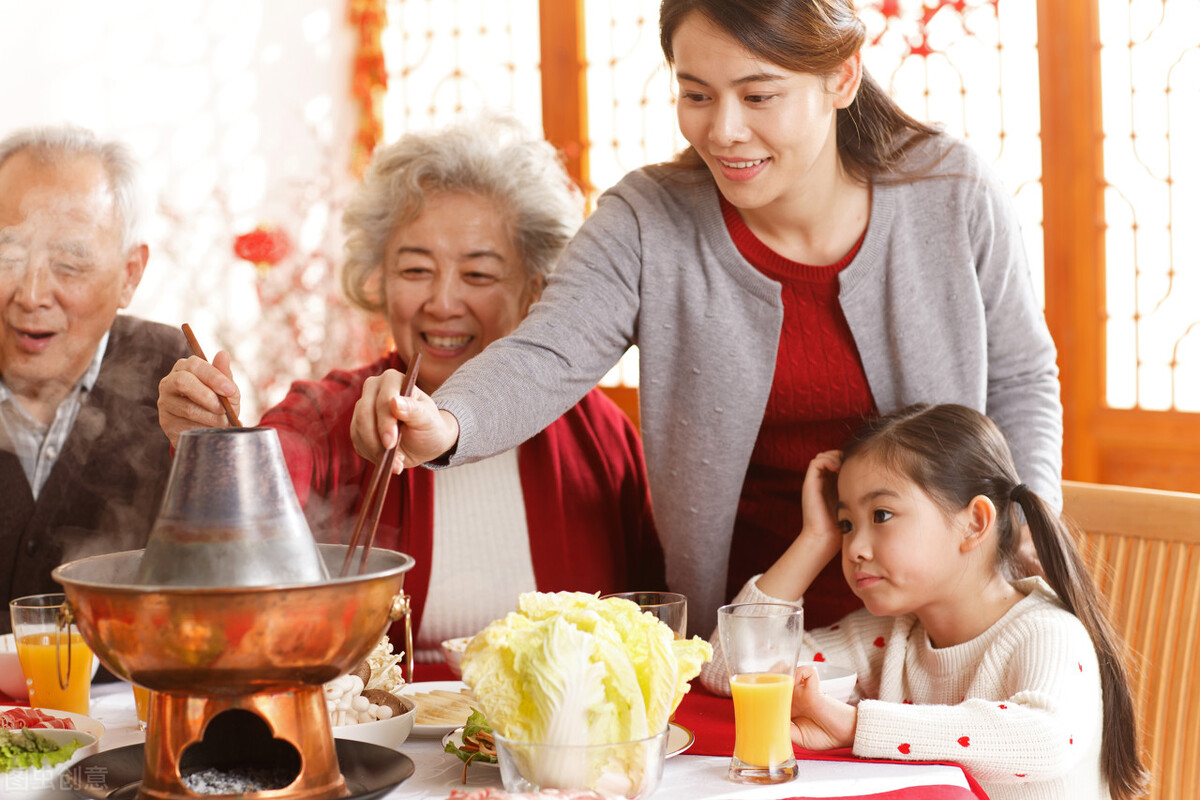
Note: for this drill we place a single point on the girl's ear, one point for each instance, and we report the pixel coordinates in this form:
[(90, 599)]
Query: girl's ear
[(845, 81), (981, 519)]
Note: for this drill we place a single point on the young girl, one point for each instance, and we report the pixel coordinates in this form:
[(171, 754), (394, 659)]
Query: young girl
[(1021, 682)]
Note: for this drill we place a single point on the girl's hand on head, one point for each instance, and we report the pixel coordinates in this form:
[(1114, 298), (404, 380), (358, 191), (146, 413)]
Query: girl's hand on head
[(820, 539), (819, 722), (819, 499), (427, 432), (189, 396)]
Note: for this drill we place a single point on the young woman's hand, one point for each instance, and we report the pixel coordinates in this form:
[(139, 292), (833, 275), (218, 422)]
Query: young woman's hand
[(427, 433), (820, 539), (819, 722)]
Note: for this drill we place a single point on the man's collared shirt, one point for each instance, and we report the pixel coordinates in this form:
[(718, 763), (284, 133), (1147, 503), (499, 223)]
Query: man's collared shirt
[(37, 445)]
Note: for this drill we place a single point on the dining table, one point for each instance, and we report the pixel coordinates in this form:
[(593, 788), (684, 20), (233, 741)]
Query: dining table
[(697, 773)]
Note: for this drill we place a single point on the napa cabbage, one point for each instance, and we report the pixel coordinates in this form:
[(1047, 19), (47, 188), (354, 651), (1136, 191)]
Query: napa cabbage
[(569, 668)]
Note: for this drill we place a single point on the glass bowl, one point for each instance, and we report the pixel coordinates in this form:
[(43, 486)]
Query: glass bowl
[(625, 769)]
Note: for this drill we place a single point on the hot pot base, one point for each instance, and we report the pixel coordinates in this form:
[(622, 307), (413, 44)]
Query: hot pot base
[(370, 771)]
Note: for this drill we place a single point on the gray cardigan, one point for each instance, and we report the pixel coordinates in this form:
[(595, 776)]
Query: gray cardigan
[(939, 300)]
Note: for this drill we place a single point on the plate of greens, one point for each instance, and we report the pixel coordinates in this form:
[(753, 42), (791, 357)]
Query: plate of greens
[(472, 743)]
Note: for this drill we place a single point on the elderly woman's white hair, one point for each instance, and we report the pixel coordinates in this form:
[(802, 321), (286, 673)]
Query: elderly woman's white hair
[(51, 145), (492, 156)]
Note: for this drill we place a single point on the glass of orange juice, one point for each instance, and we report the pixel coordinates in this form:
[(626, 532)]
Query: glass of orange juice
[(141, 704), (761, 643), (56, 661)]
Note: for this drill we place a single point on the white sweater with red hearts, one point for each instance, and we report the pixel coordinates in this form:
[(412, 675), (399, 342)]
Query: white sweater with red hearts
[(1018, 706)]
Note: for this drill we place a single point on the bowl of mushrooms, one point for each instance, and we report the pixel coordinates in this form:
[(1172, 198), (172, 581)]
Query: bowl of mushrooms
[(365, 704)]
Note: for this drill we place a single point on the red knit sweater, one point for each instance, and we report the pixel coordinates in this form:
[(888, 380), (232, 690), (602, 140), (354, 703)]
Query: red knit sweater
[(819, 397)]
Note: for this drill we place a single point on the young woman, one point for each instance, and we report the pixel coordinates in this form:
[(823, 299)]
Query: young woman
[(816, 258), (1022, 682)]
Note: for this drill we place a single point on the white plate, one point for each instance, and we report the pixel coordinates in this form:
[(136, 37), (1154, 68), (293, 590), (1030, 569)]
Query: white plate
[(82, 723), (37, 784), (456, 737), (432, 731), (679, 739)]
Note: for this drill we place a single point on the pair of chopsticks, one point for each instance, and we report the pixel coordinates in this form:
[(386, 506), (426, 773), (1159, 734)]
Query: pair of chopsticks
[(195, 345), (372, 504)]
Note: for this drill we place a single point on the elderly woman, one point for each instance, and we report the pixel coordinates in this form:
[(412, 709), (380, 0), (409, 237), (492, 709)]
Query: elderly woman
[(451, 236)]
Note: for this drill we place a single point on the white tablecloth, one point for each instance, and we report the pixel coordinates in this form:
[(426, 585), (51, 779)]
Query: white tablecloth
[(684, 778)]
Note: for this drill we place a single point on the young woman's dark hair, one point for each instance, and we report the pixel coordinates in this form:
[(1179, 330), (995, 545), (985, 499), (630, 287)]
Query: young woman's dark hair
[(814, 37), (956, 454)]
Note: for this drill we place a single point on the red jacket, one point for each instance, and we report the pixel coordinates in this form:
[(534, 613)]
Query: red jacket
[(587, 502)]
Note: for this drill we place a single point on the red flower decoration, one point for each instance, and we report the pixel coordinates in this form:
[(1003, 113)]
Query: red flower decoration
[(265, 246), (905, 748)]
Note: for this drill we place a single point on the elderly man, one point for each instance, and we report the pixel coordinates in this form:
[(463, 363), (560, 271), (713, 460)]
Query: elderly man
[(83, 461)]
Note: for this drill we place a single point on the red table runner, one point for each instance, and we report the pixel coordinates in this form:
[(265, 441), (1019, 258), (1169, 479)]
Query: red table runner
[(710, 718), (914, 793)]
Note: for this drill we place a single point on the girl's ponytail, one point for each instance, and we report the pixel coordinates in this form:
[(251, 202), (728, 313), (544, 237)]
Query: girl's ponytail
[(1067, 575)]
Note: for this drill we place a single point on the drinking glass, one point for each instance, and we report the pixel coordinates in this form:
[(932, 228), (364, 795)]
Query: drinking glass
[(670, 607), (141, 704), (761, 642), (56, 661)]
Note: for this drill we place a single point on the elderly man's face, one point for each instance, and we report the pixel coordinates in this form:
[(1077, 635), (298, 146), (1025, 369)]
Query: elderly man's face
[(63, 273)]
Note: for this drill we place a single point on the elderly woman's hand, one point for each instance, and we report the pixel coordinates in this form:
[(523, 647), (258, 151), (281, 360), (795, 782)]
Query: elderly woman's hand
[(190, 395), (427, 433)]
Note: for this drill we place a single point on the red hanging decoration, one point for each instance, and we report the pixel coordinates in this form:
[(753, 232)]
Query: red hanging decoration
[(368, 82), (918, 44), (264, 247)]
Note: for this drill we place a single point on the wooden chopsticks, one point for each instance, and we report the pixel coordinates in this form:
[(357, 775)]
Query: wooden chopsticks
[(372, 504), (195, 345)]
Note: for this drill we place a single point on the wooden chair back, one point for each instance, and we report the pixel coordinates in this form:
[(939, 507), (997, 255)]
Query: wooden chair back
[(1142, 547), (626, 397)]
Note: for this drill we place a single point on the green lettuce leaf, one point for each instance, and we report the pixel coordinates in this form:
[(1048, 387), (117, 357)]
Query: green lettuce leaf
[(475, 724), (22, 749)]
